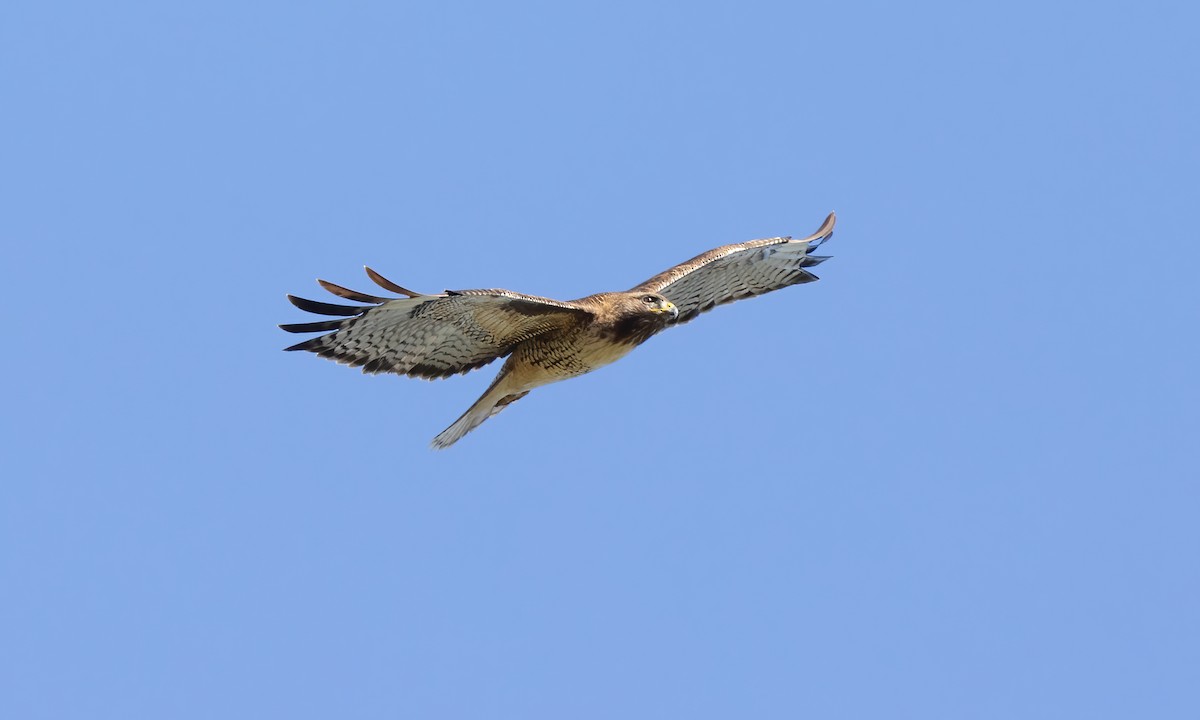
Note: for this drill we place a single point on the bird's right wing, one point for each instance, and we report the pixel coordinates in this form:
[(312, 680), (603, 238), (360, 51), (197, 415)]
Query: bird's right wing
[(429, 336)]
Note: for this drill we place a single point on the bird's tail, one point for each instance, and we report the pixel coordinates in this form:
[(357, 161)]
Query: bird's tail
[(496, 398)]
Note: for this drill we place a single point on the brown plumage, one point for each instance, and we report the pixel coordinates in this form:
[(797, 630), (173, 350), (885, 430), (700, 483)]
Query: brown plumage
[(435, 336)]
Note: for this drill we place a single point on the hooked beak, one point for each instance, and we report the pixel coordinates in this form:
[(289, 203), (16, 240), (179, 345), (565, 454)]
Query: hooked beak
[(669, 308)]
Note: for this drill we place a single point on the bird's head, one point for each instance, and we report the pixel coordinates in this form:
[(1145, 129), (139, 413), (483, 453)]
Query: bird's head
[(635, 316), (657, 305)]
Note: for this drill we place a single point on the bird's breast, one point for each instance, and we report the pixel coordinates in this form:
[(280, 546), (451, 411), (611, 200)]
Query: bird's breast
[(562, 357)]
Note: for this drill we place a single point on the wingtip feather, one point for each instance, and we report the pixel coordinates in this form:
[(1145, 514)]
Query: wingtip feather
[(312, 344), (322, 326), (822, 234), (321, 308), (349, 294), (386, 284)]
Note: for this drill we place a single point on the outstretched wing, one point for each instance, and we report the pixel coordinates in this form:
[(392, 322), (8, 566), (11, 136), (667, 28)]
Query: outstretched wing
[(429, 336), (733, 272)]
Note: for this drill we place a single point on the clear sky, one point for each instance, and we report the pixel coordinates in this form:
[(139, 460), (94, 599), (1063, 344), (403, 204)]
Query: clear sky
[(957, 478)]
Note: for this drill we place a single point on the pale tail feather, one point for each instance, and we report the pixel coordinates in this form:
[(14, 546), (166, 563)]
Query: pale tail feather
[(490, 403)]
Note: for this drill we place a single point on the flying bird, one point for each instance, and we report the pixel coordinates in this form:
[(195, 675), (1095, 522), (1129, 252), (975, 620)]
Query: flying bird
[(545, 340)]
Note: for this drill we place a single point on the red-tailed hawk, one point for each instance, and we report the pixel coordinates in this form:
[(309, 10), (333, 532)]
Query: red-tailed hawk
[(436, 336)]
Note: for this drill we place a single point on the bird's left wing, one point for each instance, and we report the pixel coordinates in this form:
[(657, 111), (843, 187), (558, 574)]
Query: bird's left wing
[(734, 272), (429, 336)]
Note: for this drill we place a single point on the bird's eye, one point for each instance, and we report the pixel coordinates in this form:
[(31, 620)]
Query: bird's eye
[(649, 299)]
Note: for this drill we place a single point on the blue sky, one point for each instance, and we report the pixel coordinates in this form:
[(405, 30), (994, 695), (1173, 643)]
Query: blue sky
[(955, 478)]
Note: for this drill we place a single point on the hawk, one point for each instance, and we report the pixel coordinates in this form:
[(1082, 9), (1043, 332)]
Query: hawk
[(436, 336)]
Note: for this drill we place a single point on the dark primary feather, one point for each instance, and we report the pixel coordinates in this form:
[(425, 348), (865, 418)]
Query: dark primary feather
[(738, 271), (321, 308), (323, 326), (386, 284), (351, 294)]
